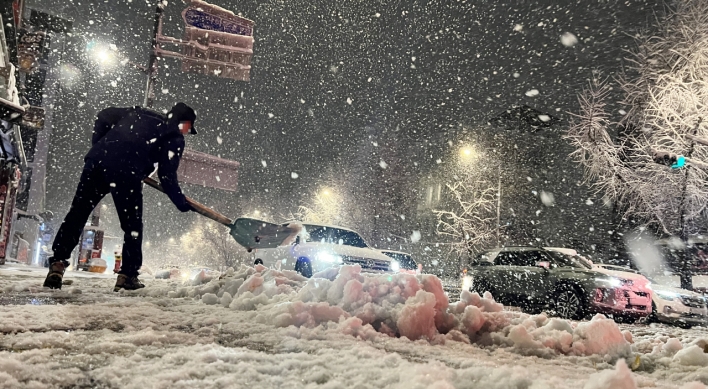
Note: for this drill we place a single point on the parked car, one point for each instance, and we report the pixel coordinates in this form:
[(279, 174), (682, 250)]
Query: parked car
[(402, 262), (537, 278), (320, 247), (172, 271), (669, 304)]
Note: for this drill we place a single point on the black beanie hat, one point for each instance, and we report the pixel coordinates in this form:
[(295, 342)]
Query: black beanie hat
[(181, 112)]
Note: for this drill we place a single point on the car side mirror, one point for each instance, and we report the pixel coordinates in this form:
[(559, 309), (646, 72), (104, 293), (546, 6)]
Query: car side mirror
[(544, 264)]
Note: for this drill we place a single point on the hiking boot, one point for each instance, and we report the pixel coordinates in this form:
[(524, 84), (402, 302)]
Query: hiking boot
[(127, 283), (56, 273)]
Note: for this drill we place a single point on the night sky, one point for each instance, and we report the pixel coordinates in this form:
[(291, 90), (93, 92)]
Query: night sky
[(323, 71)]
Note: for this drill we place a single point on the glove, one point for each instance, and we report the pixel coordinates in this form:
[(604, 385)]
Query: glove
[(183, 205)]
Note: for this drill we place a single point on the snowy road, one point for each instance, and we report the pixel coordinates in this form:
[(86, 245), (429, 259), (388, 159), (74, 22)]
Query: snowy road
[(280, 331)]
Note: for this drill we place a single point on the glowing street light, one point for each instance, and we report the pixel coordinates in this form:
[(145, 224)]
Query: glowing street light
[(468, 154), (105, 55)]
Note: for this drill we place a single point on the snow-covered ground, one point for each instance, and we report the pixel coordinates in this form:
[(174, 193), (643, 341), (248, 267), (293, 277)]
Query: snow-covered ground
[(263, 328)]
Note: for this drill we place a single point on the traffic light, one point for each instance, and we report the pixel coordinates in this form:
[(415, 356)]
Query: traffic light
[(673, 160)]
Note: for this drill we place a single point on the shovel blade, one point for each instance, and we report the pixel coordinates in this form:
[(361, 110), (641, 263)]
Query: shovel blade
[(259, 234)]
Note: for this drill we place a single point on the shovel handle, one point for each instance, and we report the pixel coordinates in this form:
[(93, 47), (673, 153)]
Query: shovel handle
[(196, 206)]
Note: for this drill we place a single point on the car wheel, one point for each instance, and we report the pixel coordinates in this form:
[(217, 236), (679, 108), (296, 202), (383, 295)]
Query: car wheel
[(653, 317), (569, 303), (258, 261), (304, 267)]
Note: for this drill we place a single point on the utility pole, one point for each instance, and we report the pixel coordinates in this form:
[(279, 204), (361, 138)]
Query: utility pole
[(499, 207), (152, 62), (686, 276)]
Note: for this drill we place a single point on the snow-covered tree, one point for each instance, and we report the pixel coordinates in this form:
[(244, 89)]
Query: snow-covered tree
[(665, 92), (327, 207), (207, 243), (470, 221)]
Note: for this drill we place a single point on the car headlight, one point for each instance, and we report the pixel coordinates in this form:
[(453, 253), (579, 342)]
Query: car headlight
[(669, 296), (610, 281), (395, 266), (329, 258)]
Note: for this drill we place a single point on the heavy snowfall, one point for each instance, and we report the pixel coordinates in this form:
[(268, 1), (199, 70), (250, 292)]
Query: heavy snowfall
[(354, 194)]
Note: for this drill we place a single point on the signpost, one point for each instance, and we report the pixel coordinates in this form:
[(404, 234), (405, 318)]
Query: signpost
[(216, 42)]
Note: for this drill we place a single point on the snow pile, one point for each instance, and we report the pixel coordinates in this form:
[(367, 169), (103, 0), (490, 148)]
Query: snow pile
[(619, 378), (405, 305), (692, 356)]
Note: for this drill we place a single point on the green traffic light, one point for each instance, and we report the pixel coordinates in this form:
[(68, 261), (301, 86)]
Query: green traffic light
[(680, 162)]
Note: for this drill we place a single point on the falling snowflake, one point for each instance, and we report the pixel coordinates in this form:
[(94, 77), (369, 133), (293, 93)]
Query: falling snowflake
[(415, 236), (349, 100), (383, 164), (547, 198), (264, 163), (568, 39), (294, 175), (532, 93), (518, 28), (219, 140), (544, 118)]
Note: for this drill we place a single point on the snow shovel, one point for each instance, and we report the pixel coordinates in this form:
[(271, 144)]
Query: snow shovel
[(249, 233)]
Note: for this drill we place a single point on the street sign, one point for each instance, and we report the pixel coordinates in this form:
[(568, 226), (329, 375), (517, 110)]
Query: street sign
[(210, 17), (217, 53), (34, 117), (208, 171), (30, 48)]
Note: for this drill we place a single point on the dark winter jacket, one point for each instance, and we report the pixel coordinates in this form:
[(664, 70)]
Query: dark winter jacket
[(129, 141)]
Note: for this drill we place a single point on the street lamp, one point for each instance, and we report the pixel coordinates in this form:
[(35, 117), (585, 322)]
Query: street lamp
[(468, 154), (105, 55)]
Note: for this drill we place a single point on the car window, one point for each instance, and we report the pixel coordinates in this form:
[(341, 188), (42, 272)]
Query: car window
[(488, 257), (332, 235), (565, 260), (531, 258), (516, 258)]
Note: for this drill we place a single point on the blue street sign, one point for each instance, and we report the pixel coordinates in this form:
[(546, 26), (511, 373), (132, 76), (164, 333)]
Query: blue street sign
[(680, 162), (200, 19)]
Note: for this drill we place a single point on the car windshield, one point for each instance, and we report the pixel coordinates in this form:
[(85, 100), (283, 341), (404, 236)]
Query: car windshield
[(404, 260), (332, 235), (565, 260)]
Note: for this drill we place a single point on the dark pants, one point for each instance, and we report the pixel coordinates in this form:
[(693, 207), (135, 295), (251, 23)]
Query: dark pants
[(96, 182)]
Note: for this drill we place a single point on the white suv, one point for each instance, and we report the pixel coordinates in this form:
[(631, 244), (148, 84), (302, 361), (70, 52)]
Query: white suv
[(320, 247)]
